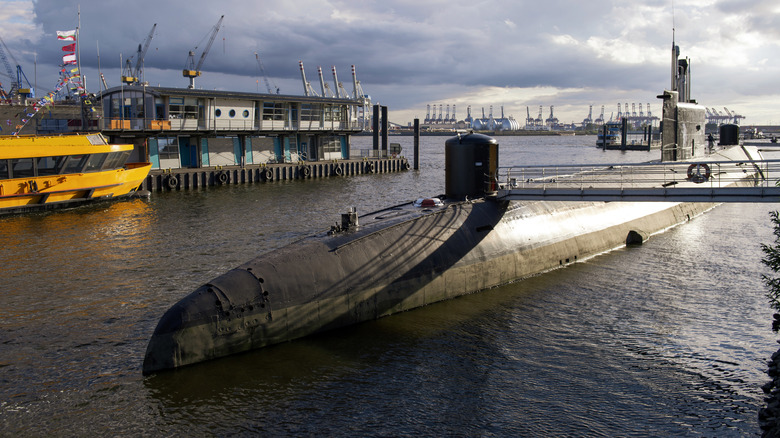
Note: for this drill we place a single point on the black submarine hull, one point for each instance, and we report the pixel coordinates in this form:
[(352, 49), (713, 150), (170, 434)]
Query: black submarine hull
[(326, 282), (398, 259)]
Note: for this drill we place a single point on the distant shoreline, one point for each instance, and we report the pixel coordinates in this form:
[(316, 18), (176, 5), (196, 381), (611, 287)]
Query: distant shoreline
[(491, 133)]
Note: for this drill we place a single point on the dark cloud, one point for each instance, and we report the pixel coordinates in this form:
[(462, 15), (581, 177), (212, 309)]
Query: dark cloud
[(410, 53)]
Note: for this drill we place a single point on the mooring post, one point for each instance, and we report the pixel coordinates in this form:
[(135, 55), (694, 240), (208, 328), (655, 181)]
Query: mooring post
[(624, 134), (375, 128), (416, 144), (385, 127)]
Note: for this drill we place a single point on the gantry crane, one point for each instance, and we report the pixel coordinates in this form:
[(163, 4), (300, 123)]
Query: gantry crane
[(588, 120), (190, 69), (130, 75)]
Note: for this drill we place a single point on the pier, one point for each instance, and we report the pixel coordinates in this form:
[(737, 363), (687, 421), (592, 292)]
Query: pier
[(188, 179), (705, 180)]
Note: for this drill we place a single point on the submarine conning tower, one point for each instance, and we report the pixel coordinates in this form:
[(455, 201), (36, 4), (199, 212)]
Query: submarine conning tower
[(471, 166)]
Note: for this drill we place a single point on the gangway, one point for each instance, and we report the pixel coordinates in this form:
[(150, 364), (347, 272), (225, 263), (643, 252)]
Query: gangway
[(690, 181)]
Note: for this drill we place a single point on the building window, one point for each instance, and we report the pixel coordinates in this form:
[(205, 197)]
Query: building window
[(232, 113), (183, 108), (335, 113), (218, 112), (168, 148), (273, 111), (331, 144), (311, 112), (246, 114)]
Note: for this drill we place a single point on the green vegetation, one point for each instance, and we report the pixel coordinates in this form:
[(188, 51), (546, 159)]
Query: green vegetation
[(772, 260)]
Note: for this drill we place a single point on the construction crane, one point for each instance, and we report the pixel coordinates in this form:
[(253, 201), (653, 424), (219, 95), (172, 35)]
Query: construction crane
[(130, 75), (265, 77), (190, 69)]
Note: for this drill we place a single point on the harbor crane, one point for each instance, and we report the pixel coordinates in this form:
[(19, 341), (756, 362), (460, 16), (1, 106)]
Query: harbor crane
[(307, 90), (600, 118), (21, 78), (190, 69), (552, 120), (324, 87), (588, 120), (265, 76), (134, 76), (358, 93)]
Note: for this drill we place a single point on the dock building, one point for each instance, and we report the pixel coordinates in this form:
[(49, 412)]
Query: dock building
[(195, 138)]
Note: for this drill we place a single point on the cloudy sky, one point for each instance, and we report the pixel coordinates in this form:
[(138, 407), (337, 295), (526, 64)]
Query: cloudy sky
[(411, 53)]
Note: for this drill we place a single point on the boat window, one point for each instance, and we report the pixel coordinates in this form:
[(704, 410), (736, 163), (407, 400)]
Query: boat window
[(4, 169), (22, 168), (116, 160), (50, 165), (75, 164), (95, 162)]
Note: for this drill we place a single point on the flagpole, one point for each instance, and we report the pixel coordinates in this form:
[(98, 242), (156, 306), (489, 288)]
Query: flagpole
[(78, 51)]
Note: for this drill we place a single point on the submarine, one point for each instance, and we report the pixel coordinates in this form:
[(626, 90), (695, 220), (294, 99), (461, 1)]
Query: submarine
[(400, 258), (418, 253)]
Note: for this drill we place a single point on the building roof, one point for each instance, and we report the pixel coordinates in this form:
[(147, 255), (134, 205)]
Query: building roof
[(210, 94)]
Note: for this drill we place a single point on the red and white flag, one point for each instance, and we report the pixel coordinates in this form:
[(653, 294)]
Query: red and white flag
[(69, 59), (69, 48)]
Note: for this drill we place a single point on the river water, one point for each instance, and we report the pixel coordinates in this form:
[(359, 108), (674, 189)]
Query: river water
[(667, 339)]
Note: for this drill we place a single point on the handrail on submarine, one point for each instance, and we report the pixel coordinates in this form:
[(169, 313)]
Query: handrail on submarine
[(668, 181)]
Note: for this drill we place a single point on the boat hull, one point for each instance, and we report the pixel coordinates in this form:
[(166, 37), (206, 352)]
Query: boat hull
[(22, 195)]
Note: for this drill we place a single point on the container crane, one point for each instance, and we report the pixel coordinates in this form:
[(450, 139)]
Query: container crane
[(357, 89), (190, 69), (307, 90), (324, 87), (600, 118), (588, 120), (552, 120), (130, 75)]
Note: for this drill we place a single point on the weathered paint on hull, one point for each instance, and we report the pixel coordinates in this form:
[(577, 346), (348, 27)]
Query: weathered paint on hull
[(326, 282)]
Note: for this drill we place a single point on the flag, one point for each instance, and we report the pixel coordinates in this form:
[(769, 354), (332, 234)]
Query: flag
[(66, 35), (69, 59), (69, 48)]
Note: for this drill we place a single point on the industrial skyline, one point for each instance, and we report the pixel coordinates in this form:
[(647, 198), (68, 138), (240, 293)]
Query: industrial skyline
[(435, 116)]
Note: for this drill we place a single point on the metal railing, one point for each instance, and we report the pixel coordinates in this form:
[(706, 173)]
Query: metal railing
[(701, 181)]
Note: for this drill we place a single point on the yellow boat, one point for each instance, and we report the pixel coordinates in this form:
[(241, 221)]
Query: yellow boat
[(45, 172)]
